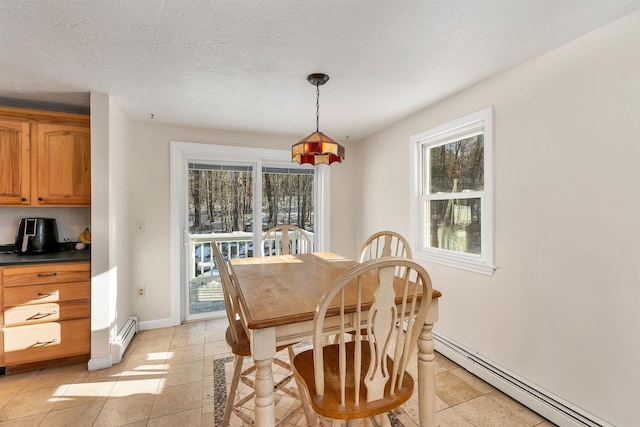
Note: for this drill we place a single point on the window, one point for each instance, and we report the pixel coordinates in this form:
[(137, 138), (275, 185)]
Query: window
[(452, 193)]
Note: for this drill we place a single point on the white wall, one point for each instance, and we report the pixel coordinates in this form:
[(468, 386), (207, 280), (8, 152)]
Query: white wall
[(110, 248), (102, 289), (150, 194), (120, 162), (561, 310)]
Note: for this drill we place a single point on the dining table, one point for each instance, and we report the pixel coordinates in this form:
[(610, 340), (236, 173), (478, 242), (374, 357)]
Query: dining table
[(278, 297)]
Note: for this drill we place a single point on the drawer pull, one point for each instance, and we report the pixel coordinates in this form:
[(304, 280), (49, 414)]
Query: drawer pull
[(47, 274), (50, 294), (41, 315), (46, 342)]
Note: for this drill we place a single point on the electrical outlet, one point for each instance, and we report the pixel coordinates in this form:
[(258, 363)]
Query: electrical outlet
[(140, 291)]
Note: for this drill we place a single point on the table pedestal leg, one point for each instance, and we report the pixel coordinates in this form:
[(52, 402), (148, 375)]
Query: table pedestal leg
[(263, 349), (426, 378)]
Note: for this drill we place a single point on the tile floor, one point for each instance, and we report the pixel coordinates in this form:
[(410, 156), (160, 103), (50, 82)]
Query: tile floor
[(166, 379)]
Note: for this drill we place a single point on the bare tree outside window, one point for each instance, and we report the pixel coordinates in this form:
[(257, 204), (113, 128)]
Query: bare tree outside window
[(220, 198)]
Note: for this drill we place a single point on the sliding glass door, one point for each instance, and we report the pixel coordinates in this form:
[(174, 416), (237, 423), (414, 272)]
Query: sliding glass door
[(222, 200)]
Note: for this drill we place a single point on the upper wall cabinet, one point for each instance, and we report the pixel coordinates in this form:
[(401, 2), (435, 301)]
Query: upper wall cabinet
[(14, 162), (45, 158), (63, 165)]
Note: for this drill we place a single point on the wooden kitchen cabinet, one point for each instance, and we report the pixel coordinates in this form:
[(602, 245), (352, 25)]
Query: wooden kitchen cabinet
[(46, 314), (15, 167), (45, 158), (63, 165)]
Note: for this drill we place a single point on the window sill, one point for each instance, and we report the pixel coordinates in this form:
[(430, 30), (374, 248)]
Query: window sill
[(451, 259)]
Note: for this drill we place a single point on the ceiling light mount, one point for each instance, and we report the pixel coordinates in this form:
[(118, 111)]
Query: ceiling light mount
[(317, 148), (317, 79)]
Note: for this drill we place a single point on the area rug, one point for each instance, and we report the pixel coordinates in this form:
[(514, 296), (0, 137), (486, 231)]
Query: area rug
[(220, 392)]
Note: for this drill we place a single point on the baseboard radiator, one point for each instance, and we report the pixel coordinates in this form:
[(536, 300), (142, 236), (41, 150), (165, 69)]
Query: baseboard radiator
[(537, 399), (120, 344)]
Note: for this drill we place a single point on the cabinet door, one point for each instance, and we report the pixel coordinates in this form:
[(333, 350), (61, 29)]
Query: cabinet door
[(64, 165), (14, 162)]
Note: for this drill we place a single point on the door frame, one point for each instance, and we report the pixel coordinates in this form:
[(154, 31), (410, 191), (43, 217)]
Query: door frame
[(181, 153)]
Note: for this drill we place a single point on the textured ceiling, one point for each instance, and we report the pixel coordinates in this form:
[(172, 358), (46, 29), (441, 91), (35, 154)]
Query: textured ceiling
[(242, 64)]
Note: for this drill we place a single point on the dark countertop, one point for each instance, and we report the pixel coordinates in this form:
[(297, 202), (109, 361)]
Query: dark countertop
[(7, 259)]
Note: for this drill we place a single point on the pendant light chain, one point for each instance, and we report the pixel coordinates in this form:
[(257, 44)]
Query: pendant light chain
[(317, 107)]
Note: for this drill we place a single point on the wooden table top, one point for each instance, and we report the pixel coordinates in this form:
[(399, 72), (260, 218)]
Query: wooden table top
[(280, 290)]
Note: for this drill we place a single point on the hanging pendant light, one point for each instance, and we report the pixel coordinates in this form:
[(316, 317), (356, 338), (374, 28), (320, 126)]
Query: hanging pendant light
[(317, 148)]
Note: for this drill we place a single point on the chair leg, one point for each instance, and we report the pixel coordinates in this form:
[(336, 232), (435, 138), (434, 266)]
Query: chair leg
[(237, 368), (302, 393)]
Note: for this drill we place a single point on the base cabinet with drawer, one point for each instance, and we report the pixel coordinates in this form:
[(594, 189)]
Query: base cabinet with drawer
[(46, 314)]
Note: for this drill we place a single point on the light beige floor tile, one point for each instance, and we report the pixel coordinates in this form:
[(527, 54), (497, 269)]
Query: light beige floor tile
[(12, 384), (108, 374), (190, 327), (210, 349), (410, 407), (52, 377), (190, 418), (144, 364), (444, 363), (152, 345), (452, 390), (77, 416), (450, 418), (186, 340), (186, 354), (525, 414), (4, 400), (29, 421), (483, 411), (208, 405), (545, 423), (475, 382), (207, 419), (128, 386), (155, 333), (83, 393), (29, 403), (176, 374), (178, 398), (120, 411)]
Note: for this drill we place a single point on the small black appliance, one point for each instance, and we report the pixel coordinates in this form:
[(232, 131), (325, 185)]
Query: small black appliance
[(37, 236)]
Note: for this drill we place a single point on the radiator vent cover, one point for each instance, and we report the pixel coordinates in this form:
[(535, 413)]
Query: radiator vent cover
[(120, 344)]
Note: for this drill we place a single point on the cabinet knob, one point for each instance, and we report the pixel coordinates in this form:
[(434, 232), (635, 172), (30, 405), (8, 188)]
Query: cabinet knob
[(24, 199), (40, 199)]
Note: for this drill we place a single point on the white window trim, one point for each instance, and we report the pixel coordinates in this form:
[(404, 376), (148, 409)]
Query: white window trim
[(181, 153), (483, 263)]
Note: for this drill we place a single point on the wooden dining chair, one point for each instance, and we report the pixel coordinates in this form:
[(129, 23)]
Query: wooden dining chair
[(285, 240), (238, 341), (366, 378), (383, 244)]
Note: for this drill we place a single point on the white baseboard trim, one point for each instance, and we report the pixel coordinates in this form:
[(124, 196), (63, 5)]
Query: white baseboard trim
[(536, 398), (156, 324), (95, 364)]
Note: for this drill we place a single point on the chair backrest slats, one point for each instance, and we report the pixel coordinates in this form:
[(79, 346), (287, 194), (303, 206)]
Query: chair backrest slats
[(392, 323), (229, 293), (385, 244), (286, 240)]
